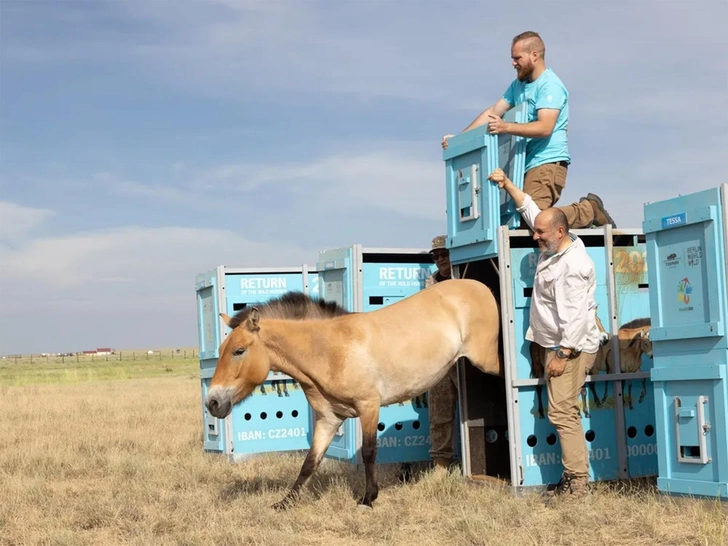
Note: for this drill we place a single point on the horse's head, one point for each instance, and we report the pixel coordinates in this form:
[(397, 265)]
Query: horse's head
[(645, 341), (243, 364), (603, 334)]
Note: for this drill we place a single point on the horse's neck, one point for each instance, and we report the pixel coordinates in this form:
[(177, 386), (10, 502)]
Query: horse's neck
[(290, 348)]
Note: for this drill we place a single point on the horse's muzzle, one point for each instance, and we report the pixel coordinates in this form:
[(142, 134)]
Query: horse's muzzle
[(219, 402)]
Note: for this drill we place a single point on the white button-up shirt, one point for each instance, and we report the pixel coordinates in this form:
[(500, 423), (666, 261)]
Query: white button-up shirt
[(563, 308)]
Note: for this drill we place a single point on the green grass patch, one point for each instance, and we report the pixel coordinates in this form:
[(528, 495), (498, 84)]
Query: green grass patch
[(42, 371)]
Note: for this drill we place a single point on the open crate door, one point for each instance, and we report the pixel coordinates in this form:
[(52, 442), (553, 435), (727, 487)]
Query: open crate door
[(475, 206), (337, 283)]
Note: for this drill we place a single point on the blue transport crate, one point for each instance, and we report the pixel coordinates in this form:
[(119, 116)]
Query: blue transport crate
[(476, 208), (277, 416), (632, 323), (620, 439), (362, 280), (687, 253)]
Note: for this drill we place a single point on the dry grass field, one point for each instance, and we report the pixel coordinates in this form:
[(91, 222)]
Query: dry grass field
[(105, 462)]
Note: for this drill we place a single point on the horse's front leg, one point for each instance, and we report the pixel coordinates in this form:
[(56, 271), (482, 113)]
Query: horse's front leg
[(324, 429), (369, 417), (593, 389), (584, 403)]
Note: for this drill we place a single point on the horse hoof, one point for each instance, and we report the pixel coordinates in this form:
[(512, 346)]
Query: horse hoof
[(364, 507), (280, 506)]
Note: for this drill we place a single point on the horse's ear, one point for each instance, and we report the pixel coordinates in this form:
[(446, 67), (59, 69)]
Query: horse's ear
[(226, 319), (253, 319)]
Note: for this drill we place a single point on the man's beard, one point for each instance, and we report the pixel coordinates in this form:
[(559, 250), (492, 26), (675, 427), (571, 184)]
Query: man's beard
[(549, 249), (524, 74)]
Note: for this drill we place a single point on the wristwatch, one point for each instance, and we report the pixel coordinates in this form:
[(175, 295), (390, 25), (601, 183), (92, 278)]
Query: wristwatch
[(562, 354)]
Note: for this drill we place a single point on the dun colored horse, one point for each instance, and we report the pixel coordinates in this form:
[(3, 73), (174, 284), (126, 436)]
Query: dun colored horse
[(351, 364), (634, 341)]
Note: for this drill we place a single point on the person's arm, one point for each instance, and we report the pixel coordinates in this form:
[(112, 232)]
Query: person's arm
[(541, 128), (498, 109), (505, 103), (523, 202)]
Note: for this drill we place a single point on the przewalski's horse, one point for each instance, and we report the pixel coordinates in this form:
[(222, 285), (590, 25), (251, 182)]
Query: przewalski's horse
[(352, 364), (634, 341)]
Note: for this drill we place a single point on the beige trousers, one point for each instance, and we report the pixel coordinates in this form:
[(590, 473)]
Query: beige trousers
[(545, 183), (563, 411)]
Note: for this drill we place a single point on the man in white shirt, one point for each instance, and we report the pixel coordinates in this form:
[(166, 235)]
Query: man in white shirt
[(562, 325)]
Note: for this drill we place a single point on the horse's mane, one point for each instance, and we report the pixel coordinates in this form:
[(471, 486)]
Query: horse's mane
[(291, 306), (636, 323)]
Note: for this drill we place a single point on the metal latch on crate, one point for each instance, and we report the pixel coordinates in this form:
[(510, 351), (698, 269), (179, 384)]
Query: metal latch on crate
[(692, 445), (468, 211)]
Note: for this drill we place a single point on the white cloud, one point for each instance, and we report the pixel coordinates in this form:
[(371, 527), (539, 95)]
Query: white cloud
[(126, 287), (383, 180), (153, 259), (395, 179), (17, 221)]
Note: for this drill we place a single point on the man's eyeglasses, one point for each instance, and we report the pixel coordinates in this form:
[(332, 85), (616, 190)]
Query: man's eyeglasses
[(437, 256)]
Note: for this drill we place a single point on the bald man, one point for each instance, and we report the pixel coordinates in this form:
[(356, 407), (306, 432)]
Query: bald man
[(562, 325), (546, 128)]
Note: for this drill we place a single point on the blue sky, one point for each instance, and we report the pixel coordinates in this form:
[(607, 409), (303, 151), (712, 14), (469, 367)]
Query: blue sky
[(144, 142)]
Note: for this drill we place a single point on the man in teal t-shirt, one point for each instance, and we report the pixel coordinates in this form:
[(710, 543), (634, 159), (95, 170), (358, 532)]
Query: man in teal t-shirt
[(546, 131), (547, 92)]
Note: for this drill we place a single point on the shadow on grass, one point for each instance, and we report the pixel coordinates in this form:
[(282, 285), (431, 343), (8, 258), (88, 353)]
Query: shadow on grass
[(338, 475)]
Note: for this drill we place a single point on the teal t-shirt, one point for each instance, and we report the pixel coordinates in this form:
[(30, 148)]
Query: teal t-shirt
[(548, 91)]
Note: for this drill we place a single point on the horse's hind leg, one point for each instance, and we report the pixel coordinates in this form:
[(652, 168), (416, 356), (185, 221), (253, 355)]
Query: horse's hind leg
[(369, 417), (584, 404), (629, 392), (539, 391), (323, 432), (593, 389), (644, 390)]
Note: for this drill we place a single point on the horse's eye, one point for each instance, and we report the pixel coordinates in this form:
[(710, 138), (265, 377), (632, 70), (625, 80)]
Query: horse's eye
[(238, 352)]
